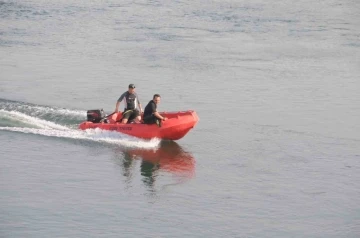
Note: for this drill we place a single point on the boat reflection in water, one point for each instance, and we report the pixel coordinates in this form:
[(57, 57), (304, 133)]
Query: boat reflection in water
[(169, 158)]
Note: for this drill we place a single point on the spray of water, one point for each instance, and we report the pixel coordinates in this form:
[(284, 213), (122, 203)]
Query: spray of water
[(19, 117), (31, 121)]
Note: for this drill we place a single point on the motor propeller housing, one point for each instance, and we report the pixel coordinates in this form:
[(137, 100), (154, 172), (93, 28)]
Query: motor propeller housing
[(95, 116)]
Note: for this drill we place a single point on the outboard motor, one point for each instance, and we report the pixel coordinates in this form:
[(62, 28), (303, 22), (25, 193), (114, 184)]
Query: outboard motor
[(95, 116)]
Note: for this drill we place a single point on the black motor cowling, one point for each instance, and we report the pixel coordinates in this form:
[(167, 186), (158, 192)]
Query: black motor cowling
[(95, 115)]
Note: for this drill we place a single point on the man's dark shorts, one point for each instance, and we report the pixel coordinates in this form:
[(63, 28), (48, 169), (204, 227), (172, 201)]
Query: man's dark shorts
[(130, 114), (152, 120)]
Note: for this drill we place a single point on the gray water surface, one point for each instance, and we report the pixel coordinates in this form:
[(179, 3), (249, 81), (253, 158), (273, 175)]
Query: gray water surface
[(275, 84)]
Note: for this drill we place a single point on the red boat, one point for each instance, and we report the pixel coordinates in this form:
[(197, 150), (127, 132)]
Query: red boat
[(175, 127)]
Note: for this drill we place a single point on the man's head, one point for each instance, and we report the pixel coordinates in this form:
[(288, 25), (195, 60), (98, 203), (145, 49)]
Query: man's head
[(156, 98), (131, 88)]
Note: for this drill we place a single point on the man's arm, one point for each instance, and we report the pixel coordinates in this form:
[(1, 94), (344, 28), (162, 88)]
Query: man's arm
[(117, 106), (159, 116), (119, 101), (138, 101), (156, 114)]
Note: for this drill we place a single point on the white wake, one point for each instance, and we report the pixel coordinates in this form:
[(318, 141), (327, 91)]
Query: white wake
[(42, 127)]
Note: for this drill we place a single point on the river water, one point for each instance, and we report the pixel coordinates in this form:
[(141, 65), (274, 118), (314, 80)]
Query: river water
[(276, 152)]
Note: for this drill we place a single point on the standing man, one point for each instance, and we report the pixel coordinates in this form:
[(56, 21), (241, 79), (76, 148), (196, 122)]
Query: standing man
[(132, 103), (151, 115)]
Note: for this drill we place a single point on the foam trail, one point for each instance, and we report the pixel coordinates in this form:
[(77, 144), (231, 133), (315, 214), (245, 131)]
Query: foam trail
[(98, 135), (37, 109), (60, 111), (32, 120), (48, 121), (44, 112)]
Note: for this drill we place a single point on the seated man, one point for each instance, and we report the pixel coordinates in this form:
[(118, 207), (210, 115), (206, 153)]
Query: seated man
[(132, 103), (151, 115)]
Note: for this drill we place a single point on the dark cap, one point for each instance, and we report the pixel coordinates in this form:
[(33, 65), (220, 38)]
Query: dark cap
[(131, 85)]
